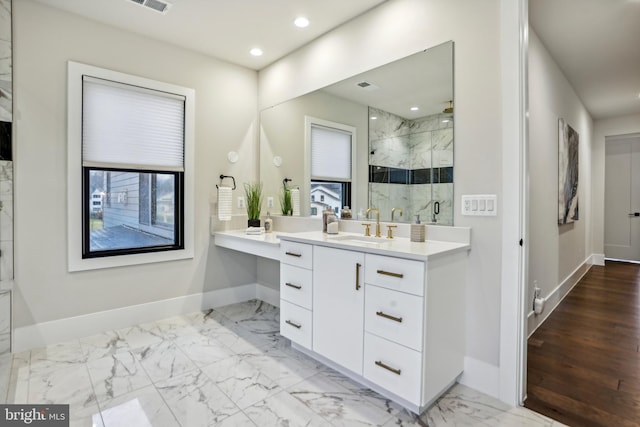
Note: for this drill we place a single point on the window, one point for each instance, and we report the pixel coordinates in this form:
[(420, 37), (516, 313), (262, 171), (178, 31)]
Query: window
[(132, 140), (136, 136), (332, 167)]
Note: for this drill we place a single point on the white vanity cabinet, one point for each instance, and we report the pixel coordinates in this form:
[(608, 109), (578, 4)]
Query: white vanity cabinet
[(338, 306), (394, 321), (296, 287)]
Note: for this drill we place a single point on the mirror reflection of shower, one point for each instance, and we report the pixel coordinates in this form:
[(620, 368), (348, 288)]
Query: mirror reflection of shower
[(411, 164)]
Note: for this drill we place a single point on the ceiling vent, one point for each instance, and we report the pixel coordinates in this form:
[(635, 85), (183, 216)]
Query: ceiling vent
[(157, 5), (366, 85)]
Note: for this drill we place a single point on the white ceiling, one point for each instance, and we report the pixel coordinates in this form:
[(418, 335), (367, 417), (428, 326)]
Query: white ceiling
[(596, 44), (225, 29)]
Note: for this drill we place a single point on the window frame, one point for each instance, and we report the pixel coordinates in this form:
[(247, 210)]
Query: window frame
[(310, 121), (178, 231), (75, 200)]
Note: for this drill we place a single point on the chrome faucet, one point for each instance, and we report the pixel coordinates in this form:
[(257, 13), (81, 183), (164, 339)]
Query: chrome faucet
[(378, 234), (393, 211)]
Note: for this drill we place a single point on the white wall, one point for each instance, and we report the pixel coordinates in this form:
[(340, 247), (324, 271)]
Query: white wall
[(396, 29), (557, 253), (45, 39), (603, 128)]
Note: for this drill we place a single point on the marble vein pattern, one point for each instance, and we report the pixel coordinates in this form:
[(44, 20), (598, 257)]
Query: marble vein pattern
[(226, 367), (5, 62), (6, 219)]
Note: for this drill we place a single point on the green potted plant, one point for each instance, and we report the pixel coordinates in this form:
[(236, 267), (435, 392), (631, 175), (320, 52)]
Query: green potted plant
[(253, 194), (285, 201)]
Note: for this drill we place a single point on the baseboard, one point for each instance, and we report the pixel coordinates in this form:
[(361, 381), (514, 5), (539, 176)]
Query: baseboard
[(557, 295), (481, 376), (267, 294), (597, 259), (55, 331)]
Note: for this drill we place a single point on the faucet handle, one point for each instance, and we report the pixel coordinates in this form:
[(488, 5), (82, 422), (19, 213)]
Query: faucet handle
[(367, 230), (390, 231)]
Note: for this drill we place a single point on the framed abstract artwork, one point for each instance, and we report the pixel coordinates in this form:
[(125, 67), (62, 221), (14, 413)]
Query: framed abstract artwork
[(568, 162)]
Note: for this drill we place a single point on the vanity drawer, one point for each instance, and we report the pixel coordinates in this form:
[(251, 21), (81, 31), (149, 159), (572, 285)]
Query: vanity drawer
[(296, 285), (394, 315), (298, 254), (295, 323), (394, 273), (393, 367)]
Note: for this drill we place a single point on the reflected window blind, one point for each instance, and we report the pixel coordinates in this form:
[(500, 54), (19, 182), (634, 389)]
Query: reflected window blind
[(330, 154), (129, 127)]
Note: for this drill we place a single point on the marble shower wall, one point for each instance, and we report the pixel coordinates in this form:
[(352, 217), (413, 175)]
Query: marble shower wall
[(415, 146), (6, 188), (5, 62)]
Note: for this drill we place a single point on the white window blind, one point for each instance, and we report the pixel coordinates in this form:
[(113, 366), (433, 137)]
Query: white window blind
[(330, 154), (126, 126)]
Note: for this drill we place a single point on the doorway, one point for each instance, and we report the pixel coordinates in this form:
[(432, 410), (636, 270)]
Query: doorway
[(622, 198)]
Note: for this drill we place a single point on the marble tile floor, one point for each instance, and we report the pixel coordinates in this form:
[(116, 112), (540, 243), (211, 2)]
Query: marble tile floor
[(224, 367)]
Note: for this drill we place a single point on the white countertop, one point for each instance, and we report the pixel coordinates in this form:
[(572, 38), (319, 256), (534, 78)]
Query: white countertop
[(268, 244), (398, 246)]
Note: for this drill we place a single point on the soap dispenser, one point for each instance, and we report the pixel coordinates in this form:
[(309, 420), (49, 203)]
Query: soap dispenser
[(418, 231), (268, 223)]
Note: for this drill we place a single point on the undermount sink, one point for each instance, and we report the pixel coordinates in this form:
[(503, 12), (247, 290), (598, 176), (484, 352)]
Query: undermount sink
[(361, 240)]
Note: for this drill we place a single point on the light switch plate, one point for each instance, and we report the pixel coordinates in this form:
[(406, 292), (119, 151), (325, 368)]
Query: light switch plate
[(240, 202), (479, 205)]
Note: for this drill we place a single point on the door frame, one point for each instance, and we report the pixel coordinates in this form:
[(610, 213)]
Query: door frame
[(613, 139), (515, 203)]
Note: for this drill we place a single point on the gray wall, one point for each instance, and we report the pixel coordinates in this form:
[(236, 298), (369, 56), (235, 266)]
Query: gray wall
[(45, 39), (556, 251)]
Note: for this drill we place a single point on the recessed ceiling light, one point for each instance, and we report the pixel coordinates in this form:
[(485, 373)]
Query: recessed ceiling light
[(256, 51), (374, 118), (415, 108), (301, 22)]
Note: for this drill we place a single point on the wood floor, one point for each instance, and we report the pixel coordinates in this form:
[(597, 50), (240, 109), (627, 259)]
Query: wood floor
[(583, 361)]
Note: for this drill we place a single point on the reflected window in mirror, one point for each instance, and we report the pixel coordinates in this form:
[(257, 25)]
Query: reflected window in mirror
[(331, 147)]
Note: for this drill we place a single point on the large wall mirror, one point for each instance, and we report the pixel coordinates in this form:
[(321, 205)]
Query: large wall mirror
[(400, 120)]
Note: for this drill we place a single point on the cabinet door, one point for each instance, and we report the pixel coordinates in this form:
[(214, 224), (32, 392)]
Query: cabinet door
[(338, 306)]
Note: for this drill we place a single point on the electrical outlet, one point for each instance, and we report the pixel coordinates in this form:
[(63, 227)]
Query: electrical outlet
[(270, 202), (240, 202)]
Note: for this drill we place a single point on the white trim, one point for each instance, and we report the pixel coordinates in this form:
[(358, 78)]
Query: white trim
[(557, 295), (630, 261), (55, 331), (268, 295), (481, 376), (515, 197), (597, 259), (74, 170)]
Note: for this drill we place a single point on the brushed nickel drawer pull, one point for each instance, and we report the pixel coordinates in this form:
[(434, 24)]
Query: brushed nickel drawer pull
[(388, 316), (293, 254), (388, 368), (388, 273), (295, 325), (358, 265), (291, 285)]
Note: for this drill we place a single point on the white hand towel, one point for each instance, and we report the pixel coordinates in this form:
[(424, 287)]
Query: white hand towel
[(295, 201), (225, 199)]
